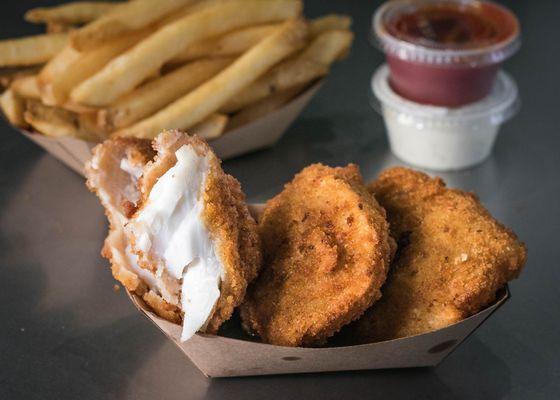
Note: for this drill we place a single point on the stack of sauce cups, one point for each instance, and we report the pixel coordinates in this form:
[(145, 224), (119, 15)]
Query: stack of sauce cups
[(442, 94)]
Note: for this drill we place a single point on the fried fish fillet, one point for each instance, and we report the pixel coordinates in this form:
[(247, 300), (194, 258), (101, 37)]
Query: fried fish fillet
[(326, 252), (451, 260), (183, 238), (112, 173)]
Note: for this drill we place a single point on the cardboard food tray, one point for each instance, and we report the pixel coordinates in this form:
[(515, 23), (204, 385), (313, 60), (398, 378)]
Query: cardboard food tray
[(234, 353), (223, 356), (261, 133)]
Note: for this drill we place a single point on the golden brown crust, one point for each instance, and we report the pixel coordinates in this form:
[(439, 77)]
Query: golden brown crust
[(105, 177), (228, 219), (452, 257), (326, 248), (162, 307)]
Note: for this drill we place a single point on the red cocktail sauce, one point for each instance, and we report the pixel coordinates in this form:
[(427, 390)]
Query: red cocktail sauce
[(455, 41)]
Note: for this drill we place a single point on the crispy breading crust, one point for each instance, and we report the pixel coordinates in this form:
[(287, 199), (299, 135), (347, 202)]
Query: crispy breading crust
[(327, 249), (105, 177), (452, 258), (225, 215)]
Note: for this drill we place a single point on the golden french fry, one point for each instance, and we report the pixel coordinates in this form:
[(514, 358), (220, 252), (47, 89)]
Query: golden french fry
[(210, 96), (126, 18), (210, 128), (50, 121), (154, 95), (50, 128), (128, 70), (197, 6), (27, 87), (312, 63), (329, 22), (13, 108), (72, 68), (328, 46), (200, 5), (58, 27), (8, 75), (31, 50), (182, 12), (267, 105), (57, 122), (72, 13), (291, 73), (57, 64), (90, 128), (80, 109), (230, 44)]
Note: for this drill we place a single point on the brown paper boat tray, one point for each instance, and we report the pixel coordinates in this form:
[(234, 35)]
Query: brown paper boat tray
[(261, 133), (230, 354), (234, 353)]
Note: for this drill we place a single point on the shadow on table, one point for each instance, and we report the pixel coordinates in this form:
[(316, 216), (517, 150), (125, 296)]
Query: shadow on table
[(54, 352), (59, 336), (64, 351)]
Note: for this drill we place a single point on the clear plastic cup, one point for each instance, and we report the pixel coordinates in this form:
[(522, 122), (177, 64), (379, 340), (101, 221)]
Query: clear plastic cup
[(445, 52), (441, 138)]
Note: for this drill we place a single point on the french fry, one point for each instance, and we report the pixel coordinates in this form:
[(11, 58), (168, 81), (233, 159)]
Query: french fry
[(211, 128), (210, 96), (50, 121), (90, 128), (27, 87), (69, 14), (328, 46), (154, 95), (50, 128), (267, 105), (72, 68), (57, 122), (58, 27), (81, 110), (128, 70), (231, 44), (312, 63), (31, 50), (13, 108), (294, 72), (57, 65), (204, 4), (329, 22), (8, 75), (126, 18)]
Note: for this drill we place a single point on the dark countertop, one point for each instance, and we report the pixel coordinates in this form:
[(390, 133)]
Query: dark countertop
[(66, 334)]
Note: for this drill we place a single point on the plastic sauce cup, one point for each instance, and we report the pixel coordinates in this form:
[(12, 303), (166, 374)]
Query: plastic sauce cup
[(445, 52), (441, 138)]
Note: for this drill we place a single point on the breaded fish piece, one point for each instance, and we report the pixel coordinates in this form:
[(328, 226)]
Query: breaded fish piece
[(326, 253), (185, 238), (113, 173), (451, 260)]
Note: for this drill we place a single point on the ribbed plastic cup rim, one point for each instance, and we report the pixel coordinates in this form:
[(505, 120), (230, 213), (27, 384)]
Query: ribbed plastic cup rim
[(499, 106), (404, 50)]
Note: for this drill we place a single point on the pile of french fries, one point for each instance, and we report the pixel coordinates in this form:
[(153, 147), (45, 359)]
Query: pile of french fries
[(134, 68)]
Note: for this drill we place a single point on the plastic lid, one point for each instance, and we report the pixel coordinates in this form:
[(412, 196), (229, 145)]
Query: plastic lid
[(443, 55), (499, 106)]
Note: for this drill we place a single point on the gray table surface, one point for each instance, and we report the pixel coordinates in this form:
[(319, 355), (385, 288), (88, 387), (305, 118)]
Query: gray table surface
[(66, 334)]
